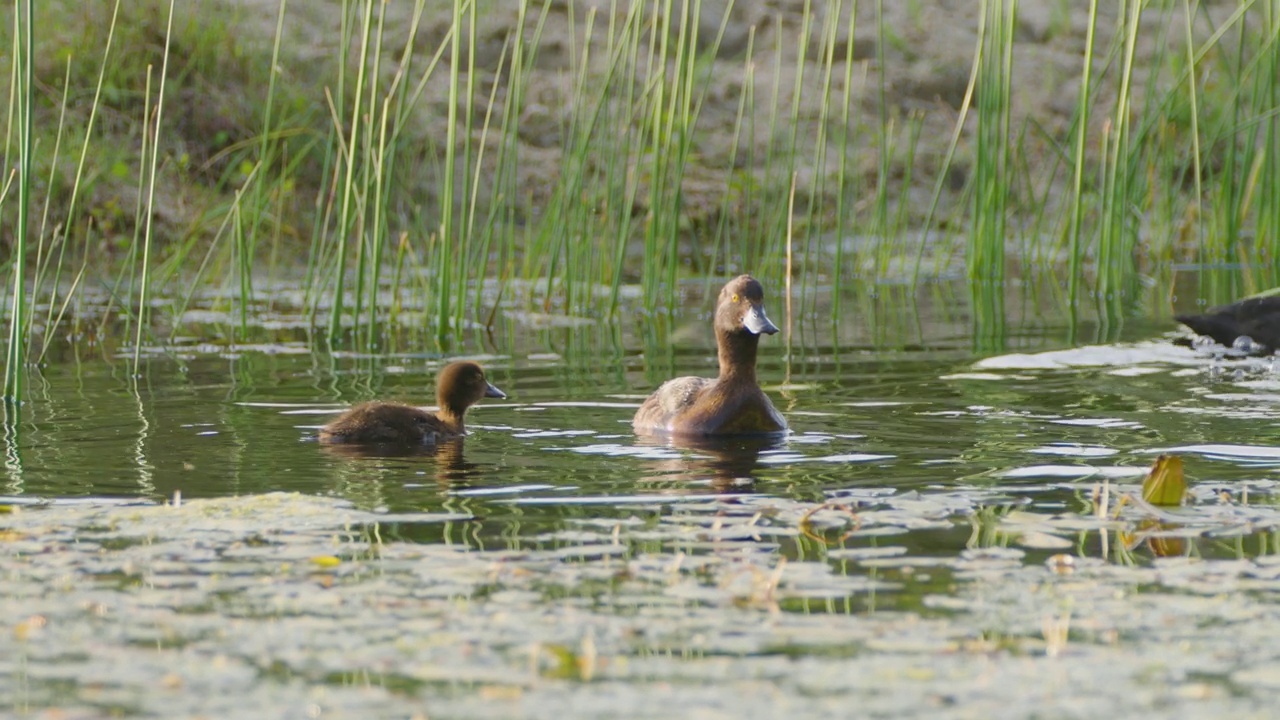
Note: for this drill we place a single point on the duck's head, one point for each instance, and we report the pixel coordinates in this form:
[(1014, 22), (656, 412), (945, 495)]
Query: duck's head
[(740, 308), (461, 385)]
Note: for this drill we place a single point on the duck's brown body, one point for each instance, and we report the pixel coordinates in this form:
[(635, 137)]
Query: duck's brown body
[(733, 403), (392, 423), (459, 386)]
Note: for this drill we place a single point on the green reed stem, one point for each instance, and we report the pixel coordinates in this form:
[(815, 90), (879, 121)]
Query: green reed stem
[(1074, 272), (370, 234), (228, 221), (387, 155), (1232, 198), (60, 238), (680, 125), (265, 153), (986, 259), (505, 178), (243, 263), (797, 96), (347, 216), (1268, 217), (1192, 80), (842, 189), (945, 168), (17, 350), (629, 51), (144, 297), (741, 181), (880, 224), (446, 240), (379, 232), (773, 177), (481, 262), (42, 258), (1115, 240), (566, 203), (70, 213), (460, 287)]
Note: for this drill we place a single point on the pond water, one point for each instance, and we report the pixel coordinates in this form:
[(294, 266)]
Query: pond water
[(945, 533)]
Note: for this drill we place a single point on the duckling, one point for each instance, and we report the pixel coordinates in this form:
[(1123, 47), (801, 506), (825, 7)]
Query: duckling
[(1256, 317), (458, 386), (733, 403)]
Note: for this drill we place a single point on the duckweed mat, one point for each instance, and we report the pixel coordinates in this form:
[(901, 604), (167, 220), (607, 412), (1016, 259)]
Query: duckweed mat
[(287, 605)]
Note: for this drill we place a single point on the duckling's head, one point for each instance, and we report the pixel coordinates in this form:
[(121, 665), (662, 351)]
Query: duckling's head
[(740, 309), (461, 385)]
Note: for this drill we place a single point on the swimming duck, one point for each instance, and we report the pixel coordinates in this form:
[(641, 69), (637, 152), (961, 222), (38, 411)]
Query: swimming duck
[(1257, 317), (458, 386), (732, 404)]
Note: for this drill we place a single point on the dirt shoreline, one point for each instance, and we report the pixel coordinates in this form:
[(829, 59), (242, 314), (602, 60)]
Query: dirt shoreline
[(928, 55)]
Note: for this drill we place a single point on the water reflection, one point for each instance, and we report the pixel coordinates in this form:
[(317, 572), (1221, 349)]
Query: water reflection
[(1161, 538), (450, 464), (908, 521), (731, 462)]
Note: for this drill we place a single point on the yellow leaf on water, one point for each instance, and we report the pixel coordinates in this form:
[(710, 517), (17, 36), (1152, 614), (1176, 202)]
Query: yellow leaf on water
[(1165, 484), (326, 561), (31, 625)]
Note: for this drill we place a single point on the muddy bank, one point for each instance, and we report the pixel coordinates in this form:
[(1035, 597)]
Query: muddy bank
[(910, 71)]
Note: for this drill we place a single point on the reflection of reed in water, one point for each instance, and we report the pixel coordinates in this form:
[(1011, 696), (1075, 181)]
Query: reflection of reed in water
[(730, 461)]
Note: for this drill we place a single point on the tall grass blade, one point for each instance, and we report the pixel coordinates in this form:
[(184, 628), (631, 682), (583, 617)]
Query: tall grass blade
[(1075, 271), (17, 349), (347, 223), (992, 173), (144, 296)]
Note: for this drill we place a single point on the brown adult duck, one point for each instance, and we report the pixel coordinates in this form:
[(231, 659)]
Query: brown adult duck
[(1255, 317), (733, 403), (458, 386)]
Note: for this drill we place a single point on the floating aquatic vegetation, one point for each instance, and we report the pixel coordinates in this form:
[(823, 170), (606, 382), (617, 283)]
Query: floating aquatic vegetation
[(1165, 485), (241, 596)]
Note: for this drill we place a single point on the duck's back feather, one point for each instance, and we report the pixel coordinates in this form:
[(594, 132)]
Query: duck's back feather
[(702, 406), (668, 401)]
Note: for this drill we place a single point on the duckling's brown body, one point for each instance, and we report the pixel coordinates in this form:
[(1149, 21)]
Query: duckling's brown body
[(459, 386), (1256, 317), (733, 403)]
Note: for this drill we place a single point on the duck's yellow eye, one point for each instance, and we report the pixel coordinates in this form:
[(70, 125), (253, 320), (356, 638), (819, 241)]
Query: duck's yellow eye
[(735, 297)]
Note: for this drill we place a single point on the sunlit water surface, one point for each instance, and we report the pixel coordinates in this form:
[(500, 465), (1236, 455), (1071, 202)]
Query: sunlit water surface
[(945, 533)]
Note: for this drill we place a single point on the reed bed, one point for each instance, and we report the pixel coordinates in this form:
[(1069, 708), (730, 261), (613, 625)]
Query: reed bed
[(438, 165)]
